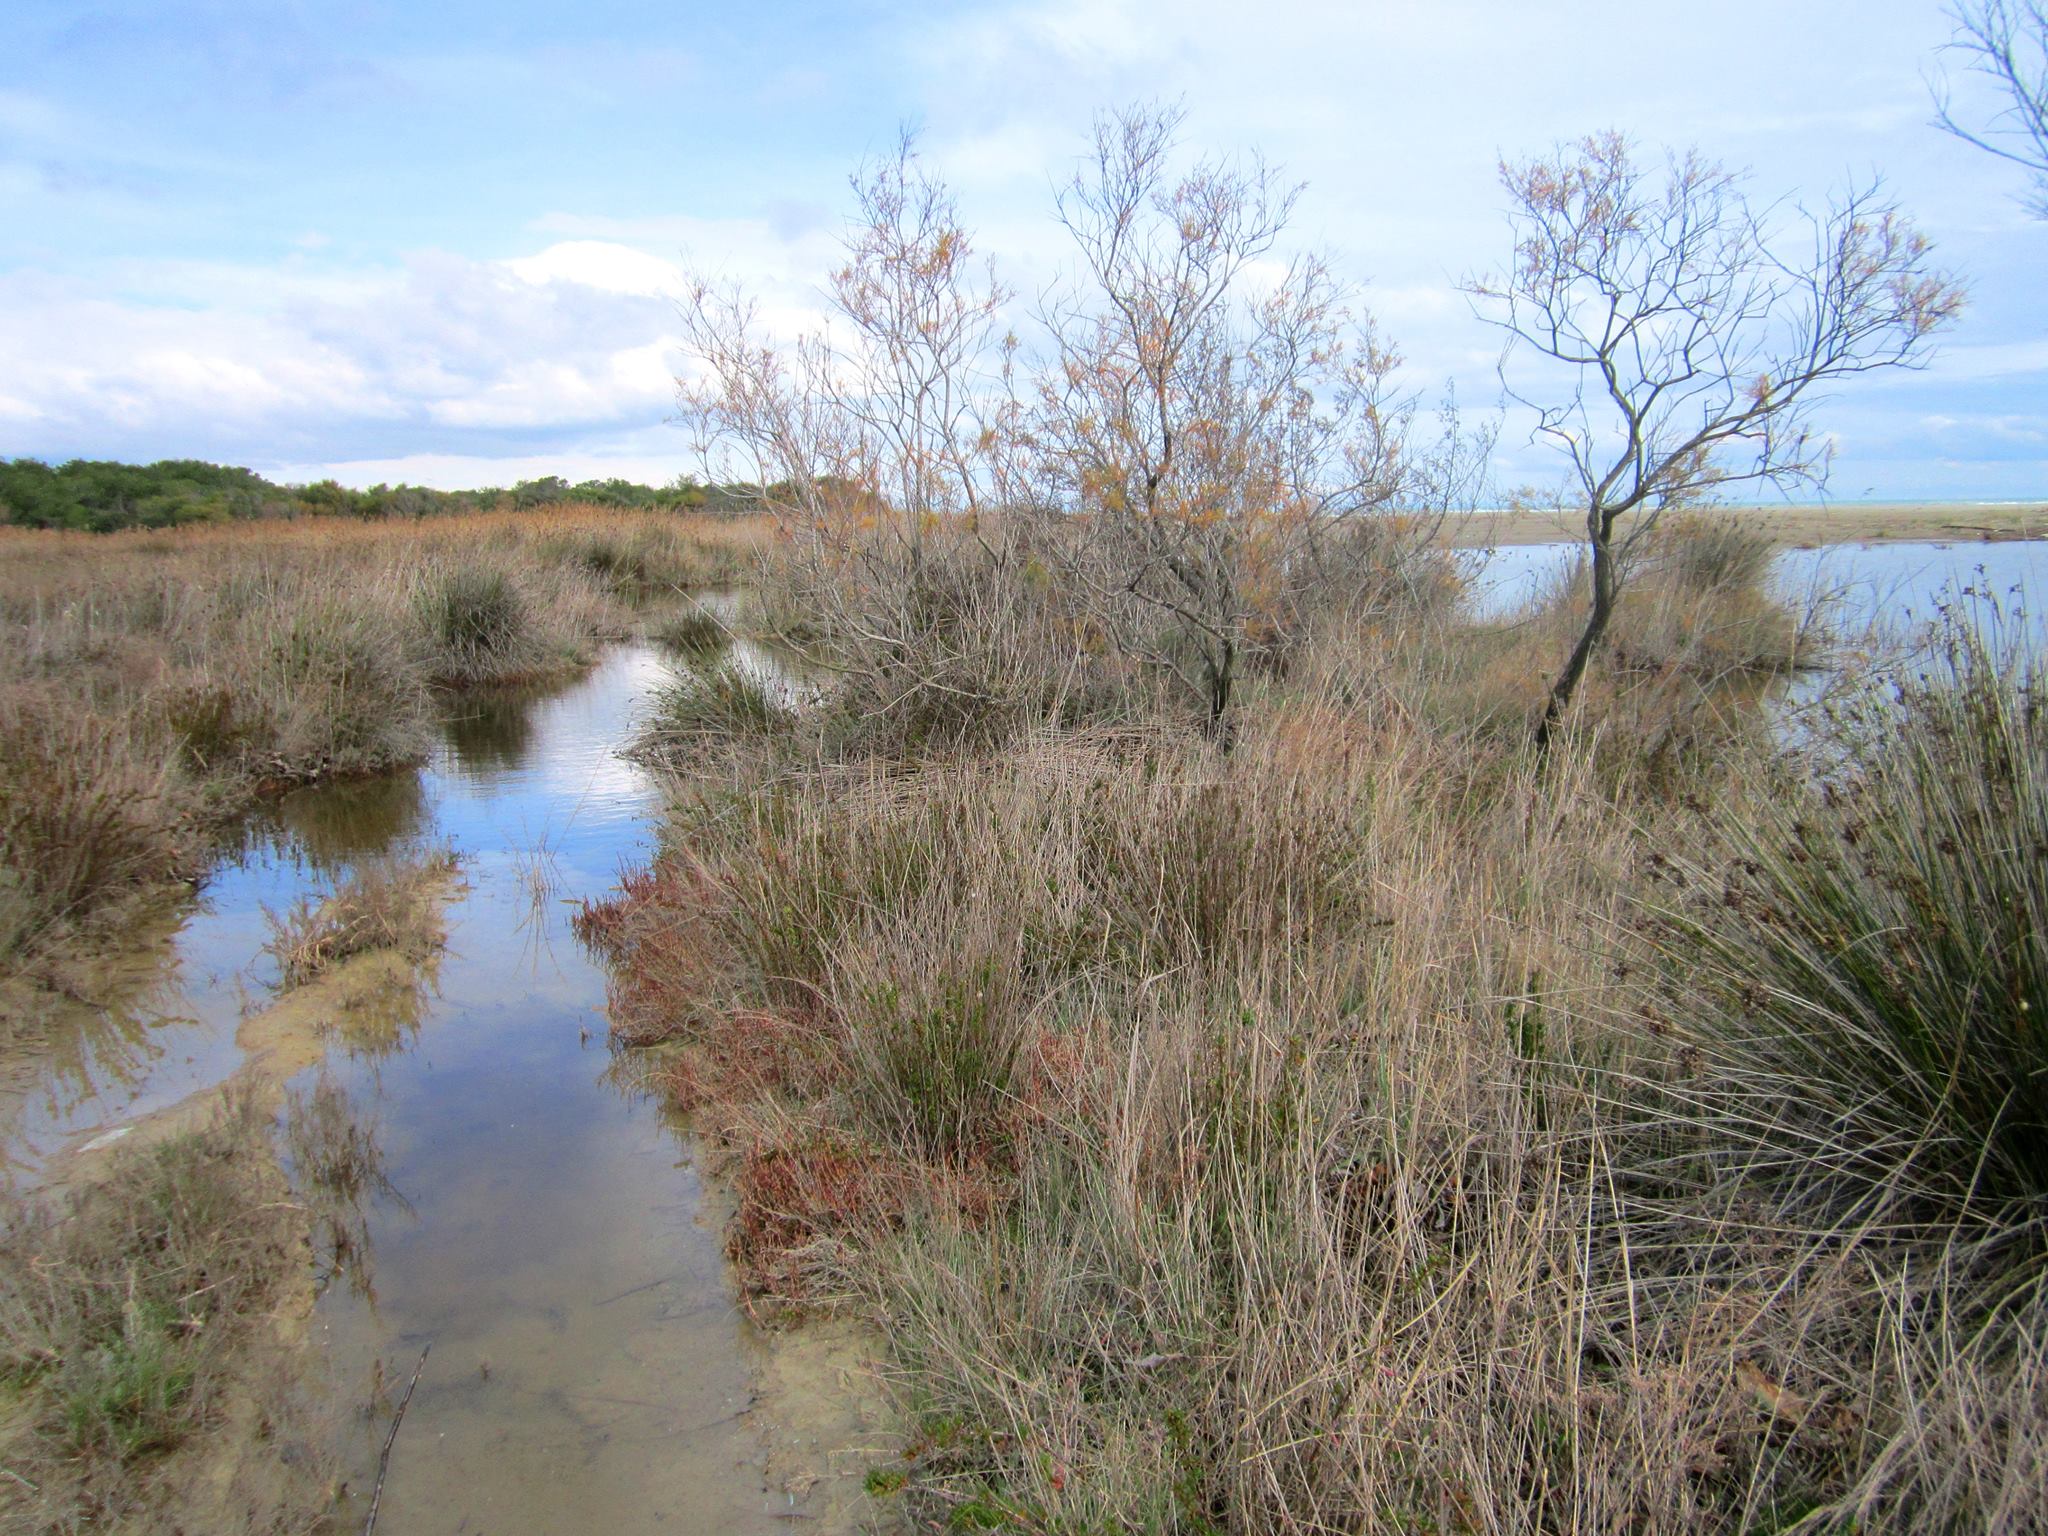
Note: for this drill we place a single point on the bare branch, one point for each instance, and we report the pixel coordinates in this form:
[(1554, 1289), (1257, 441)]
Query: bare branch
[(2006, 43), (1696, 341)]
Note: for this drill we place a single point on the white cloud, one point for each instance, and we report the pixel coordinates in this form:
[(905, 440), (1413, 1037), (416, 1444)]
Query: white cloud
[(1998, 360), (601, 264), (651, 458), (579, 333)]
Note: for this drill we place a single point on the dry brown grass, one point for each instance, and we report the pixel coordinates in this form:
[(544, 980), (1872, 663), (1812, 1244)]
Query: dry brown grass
[(385, 904), (153, 681), (1307, 1132)]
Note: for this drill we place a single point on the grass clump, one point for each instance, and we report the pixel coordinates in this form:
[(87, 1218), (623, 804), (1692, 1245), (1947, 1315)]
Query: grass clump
[(693, 630), (476, 617), (1875, 944), (721, 700), (86, 818), (387, 904), (122, 1318)]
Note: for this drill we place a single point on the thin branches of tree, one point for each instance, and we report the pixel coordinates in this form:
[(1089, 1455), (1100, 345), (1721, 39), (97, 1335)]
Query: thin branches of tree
[(2005, 42), (1690, 336), (1211, 409)]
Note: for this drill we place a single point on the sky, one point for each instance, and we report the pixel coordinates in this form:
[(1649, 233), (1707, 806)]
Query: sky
[(440, 243)]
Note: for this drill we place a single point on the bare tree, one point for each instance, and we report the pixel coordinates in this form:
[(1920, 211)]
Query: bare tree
[(2006, 41), (895, 416), (1210, 410), (1697, 336)]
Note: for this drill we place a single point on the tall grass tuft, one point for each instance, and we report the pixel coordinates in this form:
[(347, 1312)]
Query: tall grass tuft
[(1875, 952), (477, 620), (85, 817), (720, 699)]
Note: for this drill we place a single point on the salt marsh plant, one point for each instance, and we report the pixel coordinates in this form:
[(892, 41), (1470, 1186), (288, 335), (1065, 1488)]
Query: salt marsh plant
[(386, 904), (155, 681)]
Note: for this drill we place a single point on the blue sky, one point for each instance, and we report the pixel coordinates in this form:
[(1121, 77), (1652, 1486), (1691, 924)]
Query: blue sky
[(438, 242)]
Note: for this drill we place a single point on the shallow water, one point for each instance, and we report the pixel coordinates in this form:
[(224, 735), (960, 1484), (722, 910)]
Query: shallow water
[(546, 1232), (1895, 586)]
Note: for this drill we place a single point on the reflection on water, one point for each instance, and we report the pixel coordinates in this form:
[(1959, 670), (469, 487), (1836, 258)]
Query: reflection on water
[(334, 826), (588, 1369), (1889, 587), (490, 731)]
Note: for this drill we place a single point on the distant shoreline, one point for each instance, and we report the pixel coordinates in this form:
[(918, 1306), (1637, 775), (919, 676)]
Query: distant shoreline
[(1888, 522)]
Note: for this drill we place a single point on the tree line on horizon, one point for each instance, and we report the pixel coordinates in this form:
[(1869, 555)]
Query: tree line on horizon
[(102, 496)]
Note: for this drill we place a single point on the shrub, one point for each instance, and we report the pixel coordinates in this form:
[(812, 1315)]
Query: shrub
[(1709, 552), (476, 620), (1874, 948)]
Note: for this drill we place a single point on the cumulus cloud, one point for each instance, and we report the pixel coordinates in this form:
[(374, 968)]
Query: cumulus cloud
[(265, 359)]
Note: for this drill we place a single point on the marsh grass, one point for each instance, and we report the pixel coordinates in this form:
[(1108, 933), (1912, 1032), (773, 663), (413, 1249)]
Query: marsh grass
[(717, 699), (476, 616), (1339, 1124), (123, 1316), (385, 904), (88, 814), (153, 683), (1875, 951)]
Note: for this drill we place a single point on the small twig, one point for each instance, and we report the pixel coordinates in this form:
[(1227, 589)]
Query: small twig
[(635, 1290), (384, 1460), (9, 1472)]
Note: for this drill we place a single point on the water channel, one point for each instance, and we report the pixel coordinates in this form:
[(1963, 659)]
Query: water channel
[(546, 1229)]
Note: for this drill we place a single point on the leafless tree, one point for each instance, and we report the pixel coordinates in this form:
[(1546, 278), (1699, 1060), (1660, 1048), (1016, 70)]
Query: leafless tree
[(2006, 41), (1695, 335), (1210, 410), (894, 416)]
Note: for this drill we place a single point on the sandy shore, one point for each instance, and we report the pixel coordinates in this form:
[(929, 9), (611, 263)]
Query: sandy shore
[(1802, 526)]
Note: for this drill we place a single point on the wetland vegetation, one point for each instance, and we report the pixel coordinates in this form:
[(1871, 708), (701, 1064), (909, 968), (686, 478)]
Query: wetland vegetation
[(1252, 1038)]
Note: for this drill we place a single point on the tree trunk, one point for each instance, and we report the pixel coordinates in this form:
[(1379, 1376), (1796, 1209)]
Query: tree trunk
[(1599, 530), (1222, 669)]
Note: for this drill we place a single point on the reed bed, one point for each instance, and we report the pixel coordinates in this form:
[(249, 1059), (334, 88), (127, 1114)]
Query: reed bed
[(1363, 1120)]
